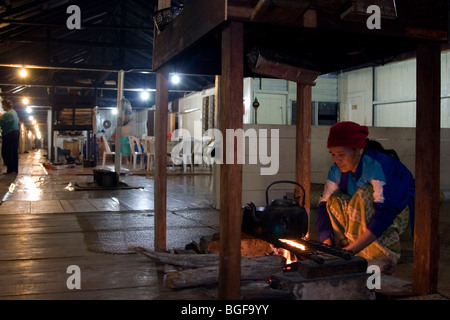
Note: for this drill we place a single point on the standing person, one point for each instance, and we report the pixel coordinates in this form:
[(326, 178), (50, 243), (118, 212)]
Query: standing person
[(364, 204), (9, 122), (127, 128)]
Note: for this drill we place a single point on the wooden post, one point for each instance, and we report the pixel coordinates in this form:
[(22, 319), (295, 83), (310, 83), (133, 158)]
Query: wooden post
[(303, 142), (160, 184), (231, 95), (426, 238)]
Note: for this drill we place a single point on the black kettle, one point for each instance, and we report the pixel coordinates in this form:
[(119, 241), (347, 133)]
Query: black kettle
[(284, 218)]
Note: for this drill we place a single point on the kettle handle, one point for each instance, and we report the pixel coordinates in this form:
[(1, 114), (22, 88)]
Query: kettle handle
[(285, 181)]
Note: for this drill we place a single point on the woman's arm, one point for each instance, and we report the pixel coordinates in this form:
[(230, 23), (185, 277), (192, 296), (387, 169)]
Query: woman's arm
[(363, 241)]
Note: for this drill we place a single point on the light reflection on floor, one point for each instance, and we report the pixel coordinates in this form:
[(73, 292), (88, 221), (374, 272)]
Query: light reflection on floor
[(52, 190)]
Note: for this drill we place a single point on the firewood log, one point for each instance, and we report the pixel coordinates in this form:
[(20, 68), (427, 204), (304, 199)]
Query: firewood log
[(181, 260), (205, 267), (252, 268)]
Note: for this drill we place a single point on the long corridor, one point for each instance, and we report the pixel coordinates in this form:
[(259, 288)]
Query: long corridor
[(51, 219)]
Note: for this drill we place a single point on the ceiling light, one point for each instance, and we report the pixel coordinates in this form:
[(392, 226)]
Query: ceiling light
[(145, 95), (175, 79), (28, 109), (25, 101), (23, 72)]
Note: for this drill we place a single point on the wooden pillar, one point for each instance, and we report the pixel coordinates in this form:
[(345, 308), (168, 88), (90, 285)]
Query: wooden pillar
[(303, 142), (426, 239), (231, 95), (160, 184)]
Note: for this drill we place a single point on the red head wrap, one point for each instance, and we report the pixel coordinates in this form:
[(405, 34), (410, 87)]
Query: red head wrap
[(348, 134)]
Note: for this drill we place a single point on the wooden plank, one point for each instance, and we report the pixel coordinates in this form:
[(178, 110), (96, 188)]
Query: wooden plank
[(303, 142), (197, 19), (231, 113), (160, 195), (279, 11), (426, 233)]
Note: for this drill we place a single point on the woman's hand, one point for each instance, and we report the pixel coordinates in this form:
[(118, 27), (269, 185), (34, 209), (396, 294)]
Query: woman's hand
[(363, 241)]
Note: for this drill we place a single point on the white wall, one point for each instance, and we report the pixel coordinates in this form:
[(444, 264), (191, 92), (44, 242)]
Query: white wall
[(391, 90), (276, 96), (190, 112), (355, 96)]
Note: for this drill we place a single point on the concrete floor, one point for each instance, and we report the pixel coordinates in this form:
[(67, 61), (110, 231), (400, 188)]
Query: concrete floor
[(46, 226)]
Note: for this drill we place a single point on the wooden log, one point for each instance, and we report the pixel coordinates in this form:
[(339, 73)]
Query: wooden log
[(252, 268), (182, 260), (250, 245)]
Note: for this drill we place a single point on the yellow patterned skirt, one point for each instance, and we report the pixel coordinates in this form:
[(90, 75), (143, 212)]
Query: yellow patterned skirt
[(349, 217)]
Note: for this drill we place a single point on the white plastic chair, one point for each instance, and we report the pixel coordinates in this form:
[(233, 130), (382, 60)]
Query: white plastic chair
[(107, 151), (200, 149), (149, 149), (181, 154), (136, 144)]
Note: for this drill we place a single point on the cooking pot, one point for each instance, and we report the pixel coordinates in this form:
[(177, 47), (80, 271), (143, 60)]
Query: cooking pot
[(282, 218)]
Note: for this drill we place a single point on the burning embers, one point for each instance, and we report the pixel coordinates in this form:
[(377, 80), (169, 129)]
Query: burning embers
[(306, 249), (293, 243), (290, 257)]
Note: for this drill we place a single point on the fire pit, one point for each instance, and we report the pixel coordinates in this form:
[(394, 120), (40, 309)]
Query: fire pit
[(316, 275), (318, 271)]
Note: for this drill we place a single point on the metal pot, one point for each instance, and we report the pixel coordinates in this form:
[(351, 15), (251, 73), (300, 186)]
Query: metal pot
[(251, 218), (284, 218)]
